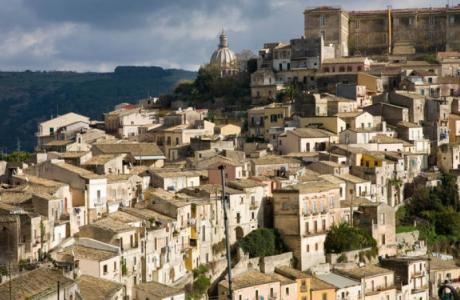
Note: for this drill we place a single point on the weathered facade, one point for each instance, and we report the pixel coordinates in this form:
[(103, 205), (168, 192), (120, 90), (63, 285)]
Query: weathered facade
[(387, 31)]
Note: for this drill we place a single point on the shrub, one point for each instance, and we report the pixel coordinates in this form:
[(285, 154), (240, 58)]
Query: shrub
[(263, 242), (345, 238)]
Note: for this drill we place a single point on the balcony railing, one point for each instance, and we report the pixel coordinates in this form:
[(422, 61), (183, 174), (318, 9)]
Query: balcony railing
[(313, 233), (419, 289), (418, 274), (379, 289)]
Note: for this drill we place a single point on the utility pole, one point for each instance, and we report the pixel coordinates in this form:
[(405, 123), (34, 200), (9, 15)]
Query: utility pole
[(227, 242), (9, 281)]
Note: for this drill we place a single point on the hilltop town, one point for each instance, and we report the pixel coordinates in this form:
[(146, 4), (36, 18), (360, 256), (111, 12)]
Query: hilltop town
[(340, 182)]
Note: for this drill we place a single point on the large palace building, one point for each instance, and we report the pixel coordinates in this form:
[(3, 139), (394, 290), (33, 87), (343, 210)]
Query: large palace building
[(389, 31)]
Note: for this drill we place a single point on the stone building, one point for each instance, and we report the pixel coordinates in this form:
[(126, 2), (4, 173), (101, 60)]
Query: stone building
[(303, 214), (386, 31)]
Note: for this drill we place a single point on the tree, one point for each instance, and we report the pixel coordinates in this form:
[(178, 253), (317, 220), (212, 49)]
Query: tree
[(200, 284), (263, 242), (343, 238), (16, 156)]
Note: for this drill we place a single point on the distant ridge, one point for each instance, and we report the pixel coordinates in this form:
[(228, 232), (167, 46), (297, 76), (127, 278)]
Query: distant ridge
[(31, 96)]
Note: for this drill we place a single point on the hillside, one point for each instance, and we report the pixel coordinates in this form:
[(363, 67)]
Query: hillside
[(27, 98)]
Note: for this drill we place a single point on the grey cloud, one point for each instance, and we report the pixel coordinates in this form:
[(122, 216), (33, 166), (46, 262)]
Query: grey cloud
[(101, 34)]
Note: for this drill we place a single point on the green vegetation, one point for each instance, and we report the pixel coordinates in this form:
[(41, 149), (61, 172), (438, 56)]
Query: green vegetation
[(263, 242), (209, 89), (124, 268), (343, 238), (15, 156), (200, 284), (3, 271), (405, 228), (436, 212), (27, 98), (431, 58)]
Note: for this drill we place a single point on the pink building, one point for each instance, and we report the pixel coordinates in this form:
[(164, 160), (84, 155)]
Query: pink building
[(232, 171), (255, 285), (346, 64)]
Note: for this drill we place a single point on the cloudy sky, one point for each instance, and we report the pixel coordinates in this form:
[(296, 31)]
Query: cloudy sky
[(97, 35)]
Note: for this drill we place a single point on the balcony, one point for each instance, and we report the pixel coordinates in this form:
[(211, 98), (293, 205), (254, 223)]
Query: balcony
[(418, 274), (379, 289), (253, 206), (419, 289), (313, 233)]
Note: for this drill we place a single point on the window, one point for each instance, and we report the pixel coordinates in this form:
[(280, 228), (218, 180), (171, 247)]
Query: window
[(322, 20), (240, 297), (98, 195), (324, 296), (257, 295), (316, 247), (308, 248), (105, 269), (114, 265), (383, 239)]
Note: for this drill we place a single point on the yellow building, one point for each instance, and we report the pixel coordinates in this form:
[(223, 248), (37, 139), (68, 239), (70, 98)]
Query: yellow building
[(321, 290), (302, 279), (370, 161), (261, 119)]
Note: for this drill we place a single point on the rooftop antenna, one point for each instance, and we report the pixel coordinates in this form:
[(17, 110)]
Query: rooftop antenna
[(18, 145), (227, 242)]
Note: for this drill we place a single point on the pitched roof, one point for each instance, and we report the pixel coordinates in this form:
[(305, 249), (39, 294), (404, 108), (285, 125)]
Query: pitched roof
[(244, 183), (311, 133), (159, 290), (100, 159), (352, 178), (363, 272), (337, 280), (291, 272), (305, 188), (319, 285), (273, 160), (248, 279), (80, 171), (37, 284), (135, 149), (82, 252), (95, 288)]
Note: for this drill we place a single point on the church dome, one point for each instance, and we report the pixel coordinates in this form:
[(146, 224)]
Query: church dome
[(223, 57)]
